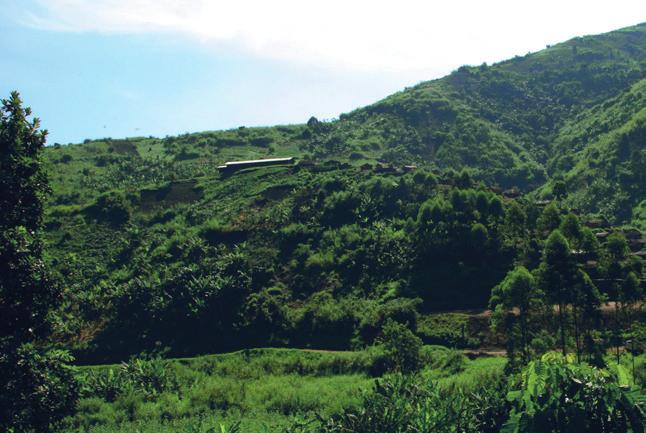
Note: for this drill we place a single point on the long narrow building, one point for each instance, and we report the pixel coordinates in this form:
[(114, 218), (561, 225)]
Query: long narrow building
[(239, 165)]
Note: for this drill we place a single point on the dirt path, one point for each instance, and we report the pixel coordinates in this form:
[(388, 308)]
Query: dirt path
[(607, 307)]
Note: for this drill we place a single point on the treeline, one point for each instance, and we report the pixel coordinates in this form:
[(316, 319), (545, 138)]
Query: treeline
[(524, 303)]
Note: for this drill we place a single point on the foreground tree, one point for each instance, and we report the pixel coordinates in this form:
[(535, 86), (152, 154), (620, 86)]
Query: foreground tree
[(556, 278), (556, 395), (36, 386)]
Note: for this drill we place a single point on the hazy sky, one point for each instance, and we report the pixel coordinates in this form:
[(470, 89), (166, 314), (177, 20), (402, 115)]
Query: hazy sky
[(99, 68)]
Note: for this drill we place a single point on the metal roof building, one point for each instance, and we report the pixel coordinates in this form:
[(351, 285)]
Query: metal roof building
[(239, 165)]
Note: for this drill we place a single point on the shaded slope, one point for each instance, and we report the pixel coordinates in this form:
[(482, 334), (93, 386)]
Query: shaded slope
[(601, 155)]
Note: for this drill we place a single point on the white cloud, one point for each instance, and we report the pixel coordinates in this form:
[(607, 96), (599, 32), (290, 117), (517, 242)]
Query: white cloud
[(403, 35)]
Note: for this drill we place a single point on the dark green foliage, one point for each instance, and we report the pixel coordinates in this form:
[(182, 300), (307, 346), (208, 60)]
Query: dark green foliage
[(586, 301), (605, 157), (402, 347), (37, 387), (204, 298), (557, 395), (393, 215), (321, 262), (111, 208), (631, 290), (550, 218), (26, 295)]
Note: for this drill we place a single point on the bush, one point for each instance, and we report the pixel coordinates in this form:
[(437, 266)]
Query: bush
[(448, 361), (111, 208), (66, 158), (402, 347), (107, 384), (149, 377)]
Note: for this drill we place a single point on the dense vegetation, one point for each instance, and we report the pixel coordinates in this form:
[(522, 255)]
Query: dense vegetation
[(297, 256), (498, 206)]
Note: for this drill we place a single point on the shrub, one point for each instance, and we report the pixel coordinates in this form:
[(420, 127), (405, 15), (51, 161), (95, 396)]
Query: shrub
[(111, 208), (105, 383), (402, 347), (150, 376), (448, 361), (403, 404)]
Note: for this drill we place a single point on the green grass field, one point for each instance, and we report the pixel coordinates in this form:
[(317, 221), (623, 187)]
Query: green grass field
[(260, 390)]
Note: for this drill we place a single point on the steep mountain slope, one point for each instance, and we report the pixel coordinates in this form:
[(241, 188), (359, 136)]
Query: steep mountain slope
[(602, 153)]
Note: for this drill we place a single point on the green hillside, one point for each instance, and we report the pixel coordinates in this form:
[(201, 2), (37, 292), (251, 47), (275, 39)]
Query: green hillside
[(155, 247), (501, 120), (466, 255), (602, 153), (509, 123)]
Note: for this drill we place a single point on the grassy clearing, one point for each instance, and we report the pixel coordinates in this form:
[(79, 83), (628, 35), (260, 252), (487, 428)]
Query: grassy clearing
[(265, 389), (259, 390)]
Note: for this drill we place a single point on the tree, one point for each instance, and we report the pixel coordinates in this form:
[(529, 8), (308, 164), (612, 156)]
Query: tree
[(518, 291), (496, 208), (571, 228), (550, 218), (613, 265), (515, 229), (630, 293), (479, 238), (482, 204), (559, 189), (631, 290), (616, 247), (589, 243), (585, 306), (556, 273), (464, 179), (37, 388)]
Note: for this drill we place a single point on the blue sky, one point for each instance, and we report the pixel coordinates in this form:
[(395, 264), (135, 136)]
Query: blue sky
[(118, 68)]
